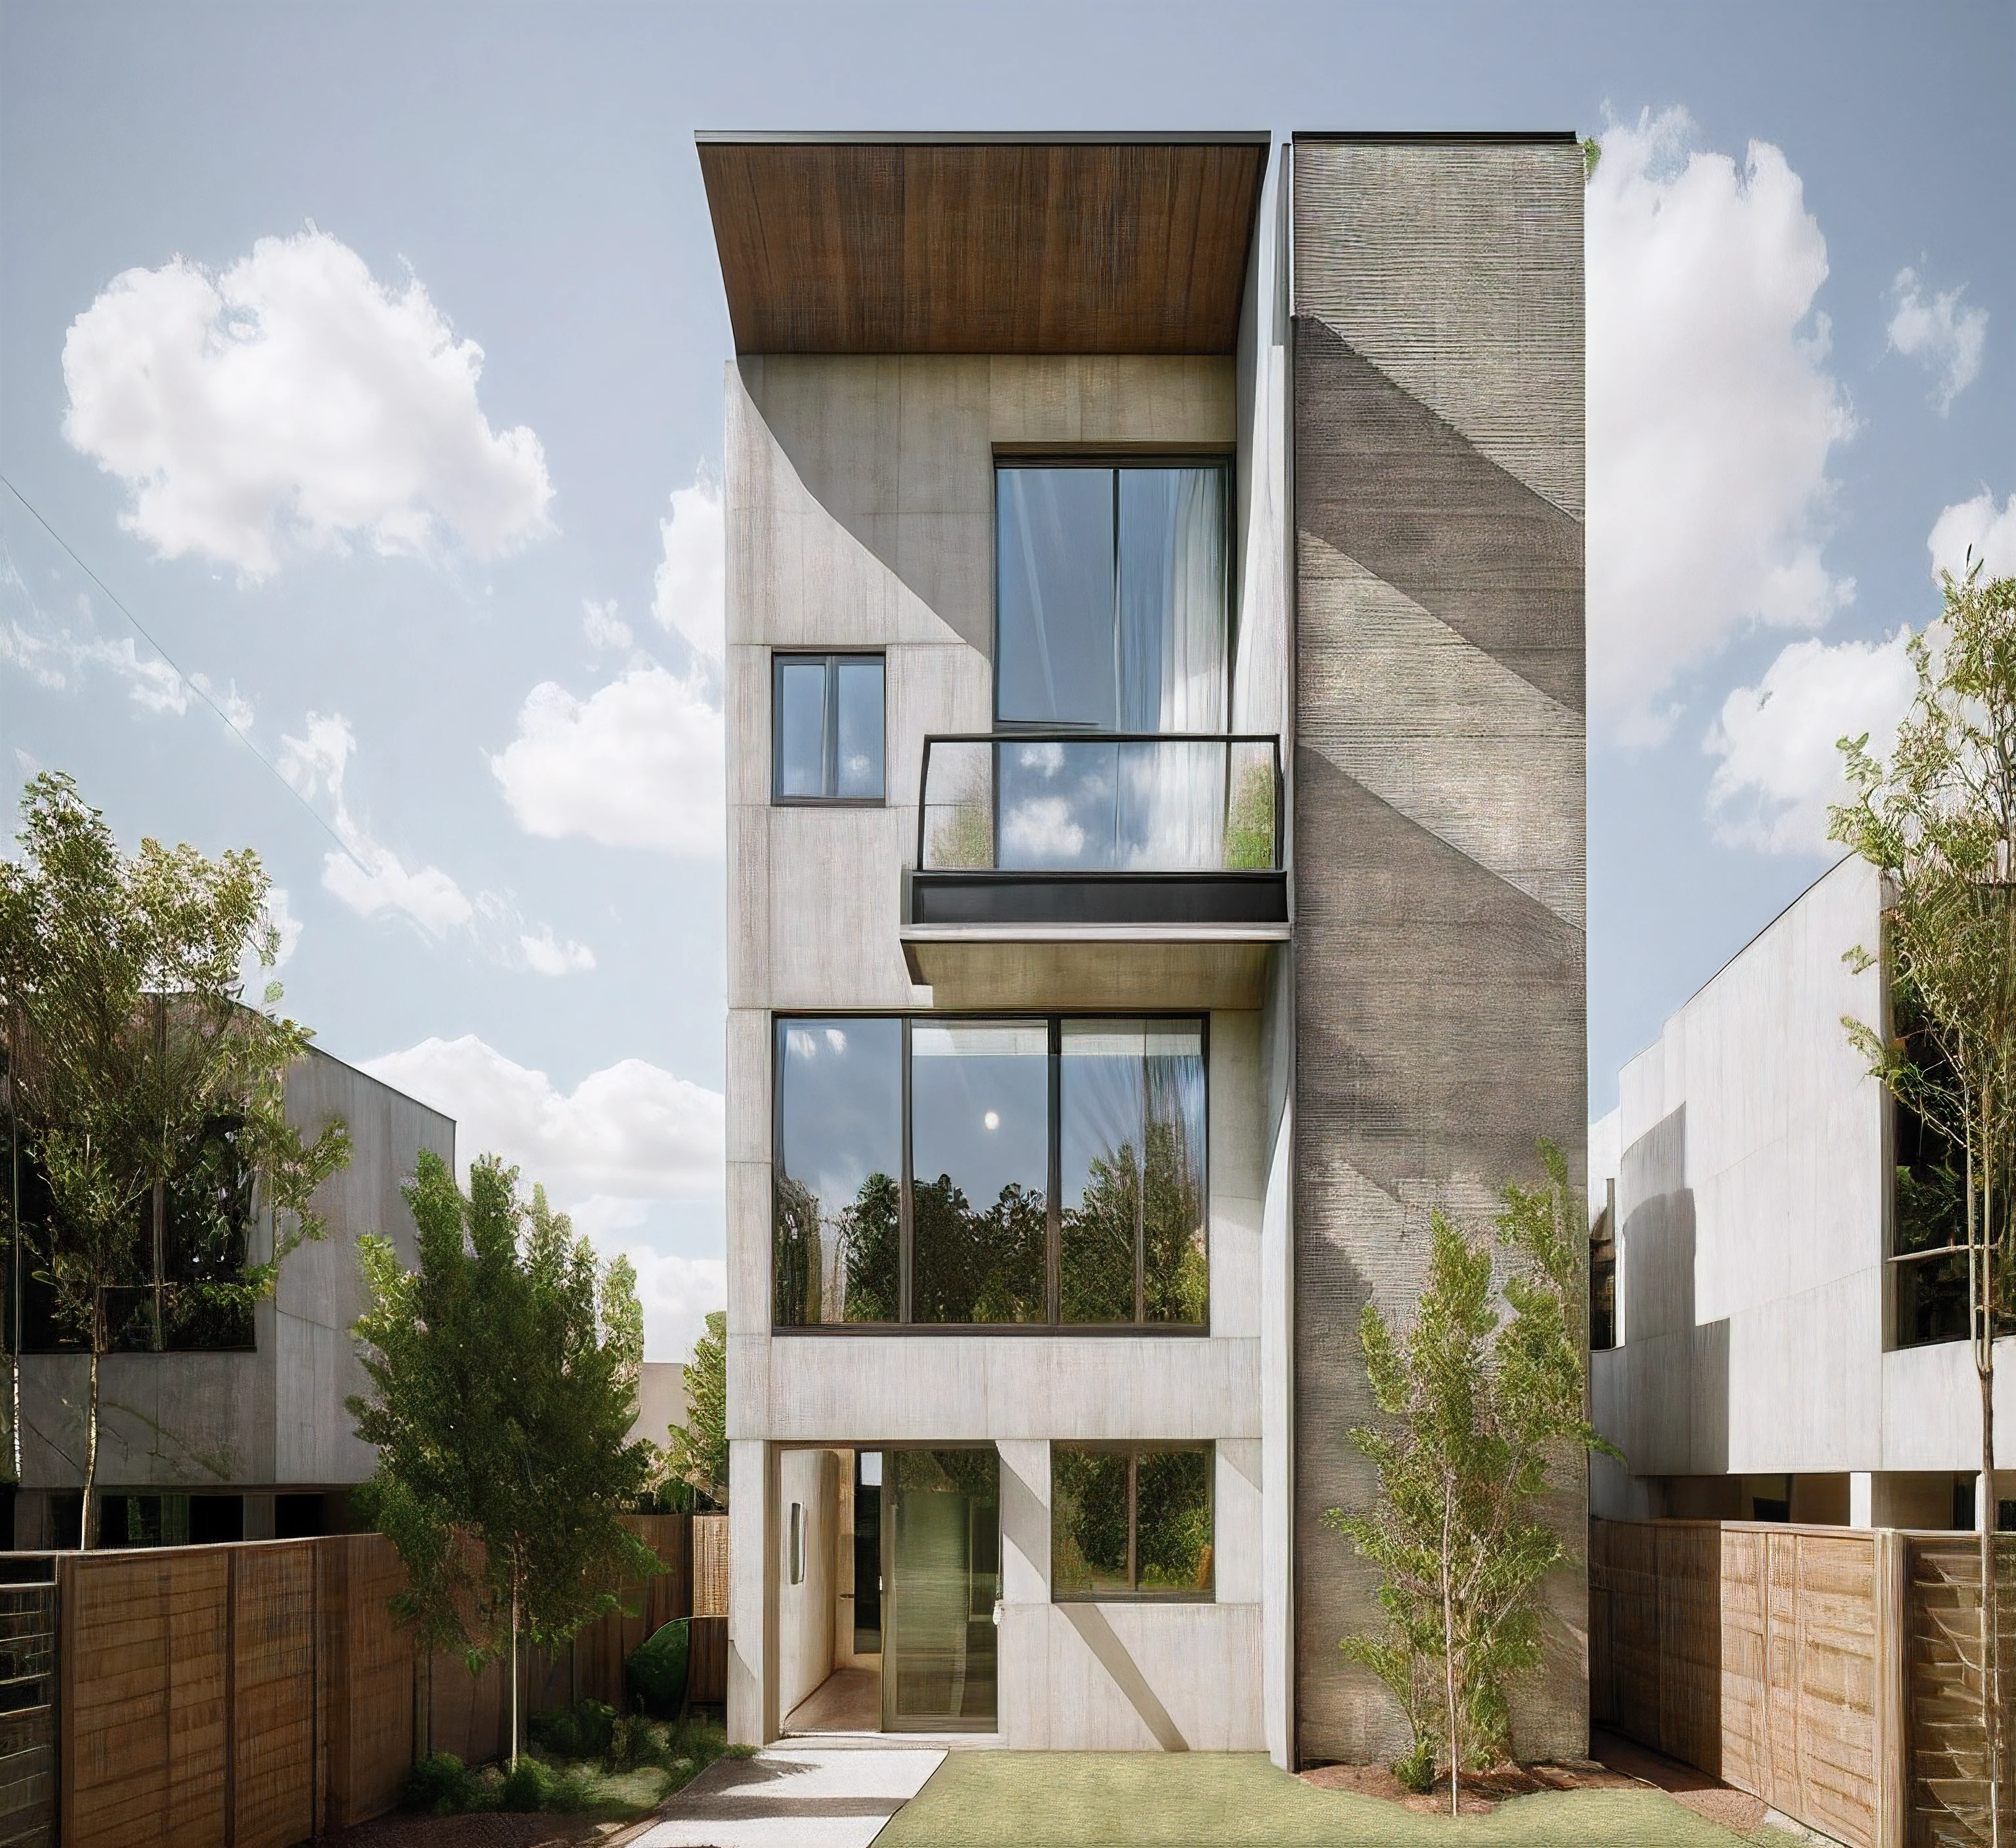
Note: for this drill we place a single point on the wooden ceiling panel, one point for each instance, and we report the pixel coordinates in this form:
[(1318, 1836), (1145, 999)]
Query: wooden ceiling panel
[(876, 246)]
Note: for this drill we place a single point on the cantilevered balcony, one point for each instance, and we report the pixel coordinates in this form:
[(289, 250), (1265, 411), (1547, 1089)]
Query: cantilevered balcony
[(1137, 867)]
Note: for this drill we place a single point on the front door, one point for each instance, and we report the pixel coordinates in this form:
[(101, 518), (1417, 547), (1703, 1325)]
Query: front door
[(942, 1541)]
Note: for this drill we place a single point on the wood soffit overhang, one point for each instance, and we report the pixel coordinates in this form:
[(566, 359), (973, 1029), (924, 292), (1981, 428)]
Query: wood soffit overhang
[(983, 245)]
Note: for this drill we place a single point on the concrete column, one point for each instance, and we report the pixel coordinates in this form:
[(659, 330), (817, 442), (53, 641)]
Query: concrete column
[(752, 1595), (1861, 1498)]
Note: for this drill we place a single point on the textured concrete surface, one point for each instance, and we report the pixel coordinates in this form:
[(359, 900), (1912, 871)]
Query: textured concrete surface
[(1439, 944), (793, 1797)]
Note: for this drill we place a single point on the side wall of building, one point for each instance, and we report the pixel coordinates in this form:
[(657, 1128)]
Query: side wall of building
[(1439, 818), (274, 1417)]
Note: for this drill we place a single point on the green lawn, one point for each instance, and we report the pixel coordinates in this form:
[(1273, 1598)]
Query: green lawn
[(1203, 1799)]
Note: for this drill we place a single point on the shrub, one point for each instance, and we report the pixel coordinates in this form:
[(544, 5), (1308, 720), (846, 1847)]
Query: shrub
[(636, 1739), (580, 1730), (657, 1669), (1415, 1768), (524, 1787), (443, 1785)]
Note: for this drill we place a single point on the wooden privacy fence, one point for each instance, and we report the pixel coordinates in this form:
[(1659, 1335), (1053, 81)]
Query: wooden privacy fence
[(258, 1694), (1834, 1672)]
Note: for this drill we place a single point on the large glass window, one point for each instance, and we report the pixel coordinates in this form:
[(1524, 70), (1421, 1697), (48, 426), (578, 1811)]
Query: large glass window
[(838, 1226), (1055, 1172), (1131, 1520), (1110, 590), (827, 721)]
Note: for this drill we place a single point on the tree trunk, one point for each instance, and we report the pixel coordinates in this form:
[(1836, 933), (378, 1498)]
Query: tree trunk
[(514, 1669), (1449, 1657), (90, 1450), (1986, 1509)]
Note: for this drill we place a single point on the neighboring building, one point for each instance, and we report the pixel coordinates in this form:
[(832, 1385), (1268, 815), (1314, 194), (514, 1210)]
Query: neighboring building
[(238, 1430), (1784, 1342), (1155, 745)]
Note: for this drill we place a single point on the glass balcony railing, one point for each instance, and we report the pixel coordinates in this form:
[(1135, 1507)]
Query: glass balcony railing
[(1074, 802)]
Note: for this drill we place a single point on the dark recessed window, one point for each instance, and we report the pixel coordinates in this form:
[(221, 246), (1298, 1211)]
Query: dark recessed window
[(951, 1172), (827, 728), (1131, 1520), (1110, 589)]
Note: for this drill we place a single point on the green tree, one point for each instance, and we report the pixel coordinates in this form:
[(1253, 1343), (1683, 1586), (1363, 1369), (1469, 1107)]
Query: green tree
[(1938, 820), (504, 1375), (698, 1455), (135, 1073), (1479, 1408)]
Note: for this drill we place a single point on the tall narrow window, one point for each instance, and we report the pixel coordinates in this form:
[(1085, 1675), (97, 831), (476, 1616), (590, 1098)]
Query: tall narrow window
[(1131, 1520), (980, 1163), (1111, 587), (827, 719), (838, 1200), (1132, 1121)]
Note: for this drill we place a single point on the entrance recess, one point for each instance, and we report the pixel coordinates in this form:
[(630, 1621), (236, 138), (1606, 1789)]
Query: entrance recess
[(941, 1547)]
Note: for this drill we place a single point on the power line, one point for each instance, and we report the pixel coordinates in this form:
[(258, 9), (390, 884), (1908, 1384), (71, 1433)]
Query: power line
[(195, 687)]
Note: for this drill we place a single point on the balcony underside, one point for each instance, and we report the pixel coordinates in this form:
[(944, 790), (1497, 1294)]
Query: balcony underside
[(1114, 967)]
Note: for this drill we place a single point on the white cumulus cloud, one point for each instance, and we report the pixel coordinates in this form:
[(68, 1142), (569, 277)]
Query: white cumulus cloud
[(1779, 741), (1711, 413), (631, 1132), (1943, 337), (638, 763), (1979, 525), (691, 589), (293, 399), (369, 878), (603, 628), (545, 955)]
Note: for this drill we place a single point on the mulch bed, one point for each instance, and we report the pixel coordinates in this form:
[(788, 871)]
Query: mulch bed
[(1618, 1765)]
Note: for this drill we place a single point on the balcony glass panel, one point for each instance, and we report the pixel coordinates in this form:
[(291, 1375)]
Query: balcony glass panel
[(1054, 803)]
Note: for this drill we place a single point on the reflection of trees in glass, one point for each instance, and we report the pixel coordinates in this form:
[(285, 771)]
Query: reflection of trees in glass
[(1127, 1522), (1249, 820), (1088, 1521), (973, 1267), (965, 838), (797, 1245), (1172, 1520), (871, 1244), (1167, 1215)]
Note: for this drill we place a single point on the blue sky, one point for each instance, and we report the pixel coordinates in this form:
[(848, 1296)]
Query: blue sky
[(464, 608)]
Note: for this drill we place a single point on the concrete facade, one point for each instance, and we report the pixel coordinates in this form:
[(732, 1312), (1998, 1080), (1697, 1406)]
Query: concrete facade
[(1439, 944), (1751, 1158), (1400, 1045), (272, 1421)]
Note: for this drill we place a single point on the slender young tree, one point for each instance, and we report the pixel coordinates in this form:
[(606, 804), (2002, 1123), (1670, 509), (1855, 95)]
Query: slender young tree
[(1479, 1409), (698, 1453), (136, 1070), (1938, 820), (504, 1375)]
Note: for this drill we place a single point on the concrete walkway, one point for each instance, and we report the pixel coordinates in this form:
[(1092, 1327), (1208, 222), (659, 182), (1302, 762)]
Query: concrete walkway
[(792, 1796)]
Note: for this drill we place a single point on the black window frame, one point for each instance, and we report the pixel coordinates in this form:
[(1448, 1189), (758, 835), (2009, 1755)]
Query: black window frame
[(1134, 1449), (1052, 1323), (1224, 459), (829, 659)]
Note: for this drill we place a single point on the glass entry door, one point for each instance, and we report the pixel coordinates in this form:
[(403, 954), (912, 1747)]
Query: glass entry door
[(941, 1542)]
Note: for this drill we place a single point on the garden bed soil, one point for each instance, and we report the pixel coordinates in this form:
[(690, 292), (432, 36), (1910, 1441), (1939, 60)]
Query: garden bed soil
[(493, 1828), (1618, 1765)]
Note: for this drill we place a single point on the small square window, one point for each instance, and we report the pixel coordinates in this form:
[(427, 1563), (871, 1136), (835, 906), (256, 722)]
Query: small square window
[(1131, 1520), (827, 721)]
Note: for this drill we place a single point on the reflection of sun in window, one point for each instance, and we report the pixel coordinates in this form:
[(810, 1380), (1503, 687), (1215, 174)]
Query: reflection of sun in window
[(992, 1119)]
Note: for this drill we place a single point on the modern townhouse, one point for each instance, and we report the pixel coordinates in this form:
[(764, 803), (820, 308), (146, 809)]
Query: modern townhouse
[(1155, 745)]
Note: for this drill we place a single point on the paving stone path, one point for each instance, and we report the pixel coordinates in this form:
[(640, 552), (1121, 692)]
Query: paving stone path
[(792, 1796)]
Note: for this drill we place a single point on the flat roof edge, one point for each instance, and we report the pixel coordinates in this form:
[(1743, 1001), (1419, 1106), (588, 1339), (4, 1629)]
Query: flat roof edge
[(982, 137), (1403, 137)]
